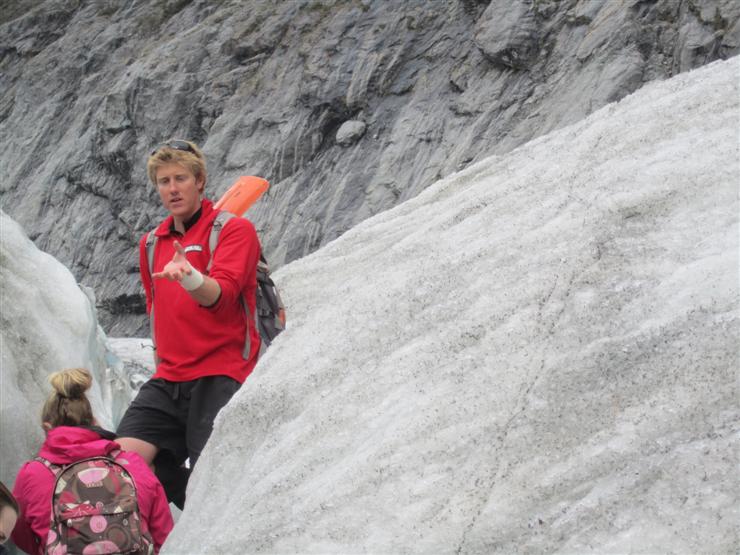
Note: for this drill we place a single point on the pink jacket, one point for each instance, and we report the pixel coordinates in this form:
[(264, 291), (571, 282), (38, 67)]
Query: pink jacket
[(65, 445)]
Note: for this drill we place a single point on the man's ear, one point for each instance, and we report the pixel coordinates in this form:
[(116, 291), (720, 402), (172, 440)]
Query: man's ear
[(201, 184)]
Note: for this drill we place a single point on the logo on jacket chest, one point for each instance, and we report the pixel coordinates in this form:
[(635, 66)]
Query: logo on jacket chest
[(193, 248)]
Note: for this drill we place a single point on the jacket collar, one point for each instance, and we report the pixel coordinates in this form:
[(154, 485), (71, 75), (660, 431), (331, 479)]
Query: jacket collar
[(205, 213)]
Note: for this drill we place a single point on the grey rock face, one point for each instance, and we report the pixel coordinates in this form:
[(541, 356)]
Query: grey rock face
[(89, 88)]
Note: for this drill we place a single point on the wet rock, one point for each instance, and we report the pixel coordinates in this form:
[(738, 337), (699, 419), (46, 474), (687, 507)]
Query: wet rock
[(350, 132), (507, 34)]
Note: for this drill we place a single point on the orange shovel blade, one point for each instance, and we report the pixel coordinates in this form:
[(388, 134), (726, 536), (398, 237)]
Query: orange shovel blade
[(242, 194)]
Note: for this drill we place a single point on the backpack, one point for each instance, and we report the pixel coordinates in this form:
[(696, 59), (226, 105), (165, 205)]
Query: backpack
[(269, 315), (94, 509)]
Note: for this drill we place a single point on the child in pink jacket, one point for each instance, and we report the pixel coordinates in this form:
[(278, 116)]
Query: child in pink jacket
[(72, 436)]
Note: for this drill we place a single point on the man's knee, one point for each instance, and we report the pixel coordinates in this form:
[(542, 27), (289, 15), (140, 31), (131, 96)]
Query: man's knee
[(146, 450)]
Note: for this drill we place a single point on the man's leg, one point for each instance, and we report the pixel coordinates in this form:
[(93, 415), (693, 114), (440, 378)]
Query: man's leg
[(154, 427), (207, 398), (173, 476)]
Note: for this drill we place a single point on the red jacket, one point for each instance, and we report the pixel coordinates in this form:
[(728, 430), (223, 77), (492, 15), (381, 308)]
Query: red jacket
[(65, 445), (193, 341)]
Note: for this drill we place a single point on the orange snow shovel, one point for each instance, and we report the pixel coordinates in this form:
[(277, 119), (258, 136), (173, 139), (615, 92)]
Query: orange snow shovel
[(242, 194)]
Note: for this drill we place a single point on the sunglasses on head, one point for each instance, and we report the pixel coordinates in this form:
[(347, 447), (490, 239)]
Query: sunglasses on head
[(177, 145)]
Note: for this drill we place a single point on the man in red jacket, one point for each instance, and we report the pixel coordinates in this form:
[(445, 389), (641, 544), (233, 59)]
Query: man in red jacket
[(205, 343)]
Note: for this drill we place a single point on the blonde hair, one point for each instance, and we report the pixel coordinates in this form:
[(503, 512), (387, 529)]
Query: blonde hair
[(190, 157), (68, 405)]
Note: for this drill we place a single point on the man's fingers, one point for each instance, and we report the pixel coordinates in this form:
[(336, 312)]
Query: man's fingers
[(161, 275), (176, 268), (172, 276)]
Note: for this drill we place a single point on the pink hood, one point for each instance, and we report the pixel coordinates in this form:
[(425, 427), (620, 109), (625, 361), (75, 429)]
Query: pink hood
[(67, 444)]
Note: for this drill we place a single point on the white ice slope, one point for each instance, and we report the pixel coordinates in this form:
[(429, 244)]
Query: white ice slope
[(48, 323), (537, 354)]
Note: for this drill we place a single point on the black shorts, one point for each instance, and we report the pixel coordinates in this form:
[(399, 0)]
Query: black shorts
[(177, 416)]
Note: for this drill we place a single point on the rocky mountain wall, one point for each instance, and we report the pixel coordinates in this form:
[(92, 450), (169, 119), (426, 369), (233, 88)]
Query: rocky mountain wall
[(347, 107)]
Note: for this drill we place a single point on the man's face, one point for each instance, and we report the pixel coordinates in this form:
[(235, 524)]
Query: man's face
[(179, 190), (7, 522)]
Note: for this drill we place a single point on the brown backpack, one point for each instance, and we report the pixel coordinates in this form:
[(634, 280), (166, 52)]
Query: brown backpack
[(94, 509)]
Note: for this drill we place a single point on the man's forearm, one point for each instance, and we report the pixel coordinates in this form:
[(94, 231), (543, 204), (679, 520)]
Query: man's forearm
[(208, 293)]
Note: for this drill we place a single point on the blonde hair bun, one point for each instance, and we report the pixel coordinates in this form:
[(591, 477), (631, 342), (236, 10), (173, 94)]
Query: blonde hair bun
[(71, 383)]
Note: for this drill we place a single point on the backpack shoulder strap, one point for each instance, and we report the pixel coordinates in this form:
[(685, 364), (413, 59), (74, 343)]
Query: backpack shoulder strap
[(55, 469), (218, 224), (151, 243)]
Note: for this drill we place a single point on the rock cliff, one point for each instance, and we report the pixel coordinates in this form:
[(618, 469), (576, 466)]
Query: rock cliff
[(347, 107)]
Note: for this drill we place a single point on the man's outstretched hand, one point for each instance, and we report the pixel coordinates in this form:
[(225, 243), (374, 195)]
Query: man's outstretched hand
[(205, 291), (177, 268)]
